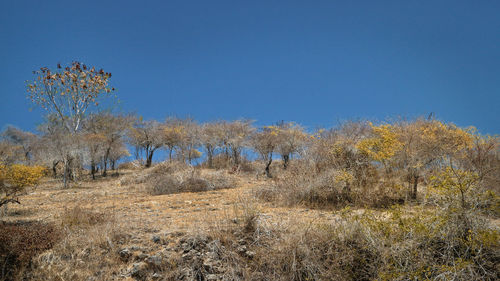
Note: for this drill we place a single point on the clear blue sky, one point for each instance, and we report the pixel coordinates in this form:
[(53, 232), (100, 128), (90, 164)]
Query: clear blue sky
[(314, 62)]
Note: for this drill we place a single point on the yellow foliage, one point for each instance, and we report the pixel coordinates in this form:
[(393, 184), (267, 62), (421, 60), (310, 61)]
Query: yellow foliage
[(344, 176), (454, 182), (18, 175), (383, 145), (195, 153)]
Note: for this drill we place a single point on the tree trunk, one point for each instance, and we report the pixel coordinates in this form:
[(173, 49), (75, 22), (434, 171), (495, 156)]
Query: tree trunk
[(268, 167), (415, 184), (113, 164), (210, 157), (149, 159), (66, 174), (347, 192), (236, 157), (210, 161), (104, 168), (463, 199), (92, 169), (286, 158), (105, 161), (54, 168)]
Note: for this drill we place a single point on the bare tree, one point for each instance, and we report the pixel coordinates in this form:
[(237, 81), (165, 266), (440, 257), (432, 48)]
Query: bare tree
[(111, 130), (173, 132), (148, 136), (291, 138), (25, 140), (118, 151), (58, 146), (265, 141), (236, 137), (212, 138), (190, 140), (9, 152)]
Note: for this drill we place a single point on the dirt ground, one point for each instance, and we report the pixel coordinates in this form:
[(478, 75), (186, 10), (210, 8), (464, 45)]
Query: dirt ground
[(133, 208)]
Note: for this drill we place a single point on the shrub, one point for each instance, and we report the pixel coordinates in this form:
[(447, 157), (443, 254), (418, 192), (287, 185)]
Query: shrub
[(132, 165), (399, 244), (77, 216), (14, 178), (328, 188), (20, 242), (174, 178)]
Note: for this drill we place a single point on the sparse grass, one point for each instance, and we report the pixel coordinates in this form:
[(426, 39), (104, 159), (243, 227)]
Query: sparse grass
[(112, 231), (80, 217)]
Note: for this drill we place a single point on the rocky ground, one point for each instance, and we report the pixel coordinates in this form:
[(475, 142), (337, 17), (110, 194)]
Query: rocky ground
[(145, 236)]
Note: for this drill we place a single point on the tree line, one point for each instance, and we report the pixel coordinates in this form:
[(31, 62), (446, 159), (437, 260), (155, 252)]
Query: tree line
[(77, 135)]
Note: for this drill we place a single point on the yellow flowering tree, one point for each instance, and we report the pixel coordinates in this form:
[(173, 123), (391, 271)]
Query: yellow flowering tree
[(454, 183), (14, 178), (383, 145), (415, 146), (68, 93)]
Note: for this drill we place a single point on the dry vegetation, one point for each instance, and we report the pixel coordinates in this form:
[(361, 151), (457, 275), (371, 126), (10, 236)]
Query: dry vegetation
[(117, 230), (401, 200)]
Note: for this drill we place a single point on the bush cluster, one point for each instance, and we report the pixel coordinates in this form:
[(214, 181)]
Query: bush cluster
[(168, 178)]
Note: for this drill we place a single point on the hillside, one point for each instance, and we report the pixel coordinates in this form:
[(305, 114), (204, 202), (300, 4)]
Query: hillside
[(114, 229)]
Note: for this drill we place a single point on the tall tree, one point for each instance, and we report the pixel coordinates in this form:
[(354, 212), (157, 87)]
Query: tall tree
[(69, 92)]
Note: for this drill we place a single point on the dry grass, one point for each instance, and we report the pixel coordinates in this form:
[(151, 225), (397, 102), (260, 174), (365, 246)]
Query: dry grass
[(188, 179), (301, 185), (20, 242), (116, 230)]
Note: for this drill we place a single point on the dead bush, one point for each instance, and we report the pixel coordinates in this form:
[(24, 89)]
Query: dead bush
[(168, 180), (397, 244), (80, 217), (89, 253), (132, 165), (302, 184), (158, 170), (20, 242)]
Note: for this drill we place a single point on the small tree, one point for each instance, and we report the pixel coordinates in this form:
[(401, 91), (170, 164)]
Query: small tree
[(58, 146), (148, 136), (291, 138), (9, 152), (94, 142), (236, 137), (69, 92), (212, 138), (265, 142), (173, 132), (111, 129), (118, 151), (14, 178), (189, 140), (426, 143), (25, 140)]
